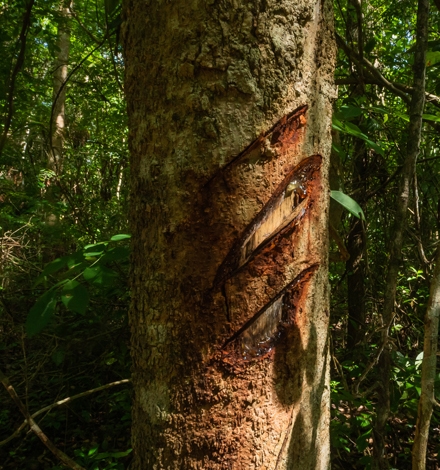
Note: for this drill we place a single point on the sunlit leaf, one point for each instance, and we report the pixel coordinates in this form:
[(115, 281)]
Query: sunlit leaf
[(121, 236), (348, 203), (352, 129)]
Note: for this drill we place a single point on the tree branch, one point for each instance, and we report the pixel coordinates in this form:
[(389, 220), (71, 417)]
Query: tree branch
[(370, 68), (34, 426), (59, 403)]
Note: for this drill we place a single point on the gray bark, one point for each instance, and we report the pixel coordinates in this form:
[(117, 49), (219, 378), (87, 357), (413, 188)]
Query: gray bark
[(429, 368)]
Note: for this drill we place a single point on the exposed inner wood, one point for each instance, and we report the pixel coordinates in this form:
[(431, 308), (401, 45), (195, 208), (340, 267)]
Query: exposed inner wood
[(258, 337), (281, 214), (262, 334), (285, 205)]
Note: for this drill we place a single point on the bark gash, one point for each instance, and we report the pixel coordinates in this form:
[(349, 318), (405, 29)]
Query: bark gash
[(229, 113)]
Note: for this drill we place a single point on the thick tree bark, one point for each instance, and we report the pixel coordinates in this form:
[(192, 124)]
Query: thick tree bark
[(229, 112), (414, 136)]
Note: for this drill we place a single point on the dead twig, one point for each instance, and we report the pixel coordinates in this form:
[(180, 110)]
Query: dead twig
[(59, 403), (35, 428)]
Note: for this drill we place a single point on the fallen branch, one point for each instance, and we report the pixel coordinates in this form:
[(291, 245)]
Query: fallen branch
[(59, 403), (35, 428)]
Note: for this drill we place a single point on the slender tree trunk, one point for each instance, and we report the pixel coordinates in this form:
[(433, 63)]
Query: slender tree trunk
[(429, 366), (59, 89), (355, 265), (356, 279), (414, 136), (229, 109), (12, 78)]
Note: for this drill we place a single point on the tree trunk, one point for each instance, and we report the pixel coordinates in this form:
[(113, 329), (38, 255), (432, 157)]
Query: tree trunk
[(429, 368), (59, 88), (356, 278), (229, 109), (414, 136)]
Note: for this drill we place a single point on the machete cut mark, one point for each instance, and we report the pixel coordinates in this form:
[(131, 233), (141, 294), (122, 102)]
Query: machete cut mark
[(283, 211), (257, 338), (261, 335), (263, 278), (282, 135)]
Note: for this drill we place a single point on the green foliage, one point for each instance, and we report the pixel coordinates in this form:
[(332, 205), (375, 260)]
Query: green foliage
[(47, 215), (92, 459), (90, 264), (348, 203), (370, 128)]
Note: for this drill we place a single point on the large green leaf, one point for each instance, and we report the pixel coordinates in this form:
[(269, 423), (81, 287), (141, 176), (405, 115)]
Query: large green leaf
[(120, 236), (55, 265), (432, 57), (350, 204), (75, 297), (41, 313), (431, 117), (91, 272), (100, 275), (348, 111)]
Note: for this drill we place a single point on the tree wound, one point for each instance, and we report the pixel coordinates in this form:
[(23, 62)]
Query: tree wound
[(272, 256), (260, 335)]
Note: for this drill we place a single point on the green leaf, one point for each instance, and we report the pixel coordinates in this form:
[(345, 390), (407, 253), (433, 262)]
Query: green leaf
[(58, 357), (432, 57), (348, 203), (93, 451), (403, 116), (41, 313), (351, 129), (90, 273), (97, 249), (121, 236), (55, 265), (348, 111), (378, 109), (100, 275), (362, 441), (75, 297), (431, 117)]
